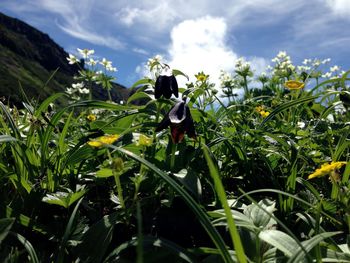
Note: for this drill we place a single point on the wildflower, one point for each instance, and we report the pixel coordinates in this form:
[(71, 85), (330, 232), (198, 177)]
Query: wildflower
[(201, 77), (79, 85), (259, 108), (72, 59), (84, 91), (327, 75), (91, 62), (144, 140), (264, 114), (86, 52), (91, 117), (326, 169), (334, 68), (180, 121), (70, 90), (294, 85), (106, 63), (166, 85), (106, 139)]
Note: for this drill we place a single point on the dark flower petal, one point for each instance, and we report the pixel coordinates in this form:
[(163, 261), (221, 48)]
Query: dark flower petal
[(180, 121), (178, 113), (177, 133), (189, 125), (164, 123), (174, 86), (166, 86)]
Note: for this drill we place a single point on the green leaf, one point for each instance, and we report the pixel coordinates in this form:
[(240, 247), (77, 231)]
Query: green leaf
[(45, 104), (287, 105), (139, 96), (236, 240), (64, 199), (5, 226), (97, 238), (280, 240), (67, 233), (299, 254), (190, 180), (7, 138), (28, 246), (257, 213), (104, 172), (177, 72), (176, 252), (196, 208), (142, 82)]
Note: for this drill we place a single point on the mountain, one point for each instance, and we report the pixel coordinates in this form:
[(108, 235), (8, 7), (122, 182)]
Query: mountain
[(28, 59)]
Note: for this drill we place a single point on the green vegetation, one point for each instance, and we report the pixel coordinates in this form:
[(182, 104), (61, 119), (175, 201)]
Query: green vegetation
[(258, 177), (32, 62)]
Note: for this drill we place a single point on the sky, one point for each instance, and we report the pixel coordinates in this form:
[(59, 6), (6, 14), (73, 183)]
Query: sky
[(193, 35)]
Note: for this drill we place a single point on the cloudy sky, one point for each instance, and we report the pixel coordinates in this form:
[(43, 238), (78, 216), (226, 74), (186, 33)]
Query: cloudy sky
[(193, 35)]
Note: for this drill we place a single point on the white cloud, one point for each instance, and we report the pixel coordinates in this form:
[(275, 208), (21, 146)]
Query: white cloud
[(340, 7), (200, 44)]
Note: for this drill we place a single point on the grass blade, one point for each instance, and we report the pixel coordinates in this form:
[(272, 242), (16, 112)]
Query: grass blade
[(236, 240), (197, 210)]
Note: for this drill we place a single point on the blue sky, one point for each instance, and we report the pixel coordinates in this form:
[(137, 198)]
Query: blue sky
[(193, 35)]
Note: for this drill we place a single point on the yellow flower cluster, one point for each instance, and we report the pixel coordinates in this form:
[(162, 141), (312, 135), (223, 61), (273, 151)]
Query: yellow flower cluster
[(144, 140), (201, 77), (261, 111), (326, 169), (294, 85), (91, 117), (106, 139)]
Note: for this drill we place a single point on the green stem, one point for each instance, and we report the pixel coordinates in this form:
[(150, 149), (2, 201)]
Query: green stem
[(172, 157), (116, 176), (119, 189), (109, 95)]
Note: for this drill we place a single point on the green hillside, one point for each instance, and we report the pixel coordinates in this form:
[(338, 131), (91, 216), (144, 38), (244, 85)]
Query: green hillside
[(28, 58)]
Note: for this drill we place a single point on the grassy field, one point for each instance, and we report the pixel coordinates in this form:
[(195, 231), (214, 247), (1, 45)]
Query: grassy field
[(256, 172)]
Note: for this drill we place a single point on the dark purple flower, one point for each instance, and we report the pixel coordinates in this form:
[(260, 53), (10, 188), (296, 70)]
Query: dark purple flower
[(166, 86), (180, 121)]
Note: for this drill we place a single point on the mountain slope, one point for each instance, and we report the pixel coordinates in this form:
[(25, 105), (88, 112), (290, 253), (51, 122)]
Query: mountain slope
[(28, 58)]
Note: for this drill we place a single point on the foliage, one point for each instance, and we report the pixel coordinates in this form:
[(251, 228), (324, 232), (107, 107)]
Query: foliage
[(98, 181)]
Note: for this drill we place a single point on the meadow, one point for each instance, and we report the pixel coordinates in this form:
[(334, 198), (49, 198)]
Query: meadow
[(256, 170)]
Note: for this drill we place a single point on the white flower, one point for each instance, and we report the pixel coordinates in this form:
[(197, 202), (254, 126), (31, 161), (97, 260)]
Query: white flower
[(113, 69), (306, 61), (334, 68), (301, 124), (327, 75), (83, 91), (86, 52), (78, 85), (91, 62), (106, 63), (72, 59), (70, 90), (282, 54)]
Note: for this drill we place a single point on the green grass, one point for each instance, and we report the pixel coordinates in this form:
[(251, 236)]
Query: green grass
[(238, 192)]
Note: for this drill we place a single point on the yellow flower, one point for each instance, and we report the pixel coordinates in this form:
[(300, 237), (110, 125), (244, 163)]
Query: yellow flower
[(326, 169), (106, 139), (294, 85), (259, 108), (91, 117), (264, 114), (201, 77), (144, 140)]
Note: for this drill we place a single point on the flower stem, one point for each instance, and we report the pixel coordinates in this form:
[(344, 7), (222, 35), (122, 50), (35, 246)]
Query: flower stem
[(172, 157)]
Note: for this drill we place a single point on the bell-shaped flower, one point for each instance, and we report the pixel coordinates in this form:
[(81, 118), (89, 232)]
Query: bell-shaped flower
[(166, 85), (180, 121)]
